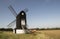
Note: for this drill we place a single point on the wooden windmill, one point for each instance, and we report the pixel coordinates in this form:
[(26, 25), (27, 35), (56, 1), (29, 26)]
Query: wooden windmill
[(21, 22)]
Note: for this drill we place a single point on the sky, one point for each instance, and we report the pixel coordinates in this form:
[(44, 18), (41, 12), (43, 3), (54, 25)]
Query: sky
[(41, 13)]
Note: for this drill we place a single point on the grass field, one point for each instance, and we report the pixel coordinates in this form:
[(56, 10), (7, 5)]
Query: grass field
[(55, 34), (41, 34)]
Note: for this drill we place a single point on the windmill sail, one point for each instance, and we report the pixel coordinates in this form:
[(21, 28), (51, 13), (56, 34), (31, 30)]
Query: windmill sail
[(12, 10), (12, 24), (25, 10)]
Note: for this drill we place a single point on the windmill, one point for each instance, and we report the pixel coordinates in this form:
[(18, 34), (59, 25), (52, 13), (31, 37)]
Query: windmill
[(21, 23)]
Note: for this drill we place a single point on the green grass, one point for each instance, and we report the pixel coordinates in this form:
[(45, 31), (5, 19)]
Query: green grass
[(42, 34), (10, 35)]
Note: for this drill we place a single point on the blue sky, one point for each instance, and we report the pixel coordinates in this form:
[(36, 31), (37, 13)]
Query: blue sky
[(41, 14)]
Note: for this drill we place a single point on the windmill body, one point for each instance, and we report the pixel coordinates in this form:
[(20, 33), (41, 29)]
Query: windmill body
[(21, 20)]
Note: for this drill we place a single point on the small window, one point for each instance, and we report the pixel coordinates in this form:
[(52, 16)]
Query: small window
[(22, 13)]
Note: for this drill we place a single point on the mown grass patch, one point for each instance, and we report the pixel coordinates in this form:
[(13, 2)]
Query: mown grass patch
[(10, 35)]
